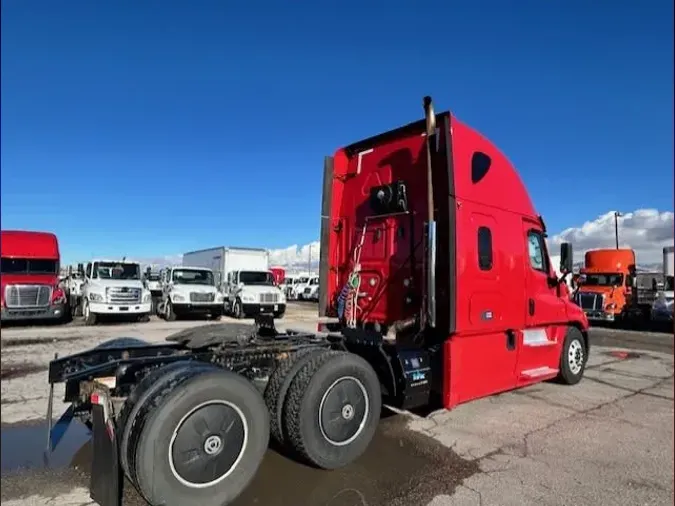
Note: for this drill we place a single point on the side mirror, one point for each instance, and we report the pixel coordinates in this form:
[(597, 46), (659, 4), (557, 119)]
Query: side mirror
[(566, 257)]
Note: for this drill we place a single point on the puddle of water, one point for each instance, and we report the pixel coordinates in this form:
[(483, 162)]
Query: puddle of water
[(623, 355), (399, 468), (23, 447)]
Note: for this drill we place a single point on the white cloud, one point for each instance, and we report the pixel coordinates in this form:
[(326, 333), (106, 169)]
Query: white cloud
[(647, 231), (296, 257)]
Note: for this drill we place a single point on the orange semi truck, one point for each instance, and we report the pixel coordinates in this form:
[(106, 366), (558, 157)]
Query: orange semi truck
[(607, 286), (30, 277)]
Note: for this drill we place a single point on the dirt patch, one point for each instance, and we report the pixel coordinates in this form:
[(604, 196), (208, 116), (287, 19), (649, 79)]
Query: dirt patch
[(14, 371)]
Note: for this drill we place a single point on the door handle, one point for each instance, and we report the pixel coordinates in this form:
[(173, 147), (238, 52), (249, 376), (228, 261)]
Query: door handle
[(530, 306)]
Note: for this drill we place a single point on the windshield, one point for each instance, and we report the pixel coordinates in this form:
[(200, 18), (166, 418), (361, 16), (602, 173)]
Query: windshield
[(256, 278), (192, 277), (29, 266), (314, 281), (153, 277), (302, 280), (287, 281), (117, 270), (601, 279)]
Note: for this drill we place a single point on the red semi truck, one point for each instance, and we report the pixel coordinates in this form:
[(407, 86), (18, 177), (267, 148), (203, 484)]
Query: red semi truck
[(438, 291), (30, 277)]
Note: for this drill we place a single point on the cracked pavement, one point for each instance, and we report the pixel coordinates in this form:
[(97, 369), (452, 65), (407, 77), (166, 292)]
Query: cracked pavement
[(607, 440)]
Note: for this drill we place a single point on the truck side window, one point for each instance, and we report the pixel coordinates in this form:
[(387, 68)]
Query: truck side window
[(88, 273), (537, 251), (484, 248)]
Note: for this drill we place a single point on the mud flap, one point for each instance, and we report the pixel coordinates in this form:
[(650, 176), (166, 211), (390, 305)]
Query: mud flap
[(105, 486)]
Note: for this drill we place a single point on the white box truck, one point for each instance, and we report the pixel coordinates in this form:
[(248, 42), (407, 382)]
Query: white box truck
[(244, 277)]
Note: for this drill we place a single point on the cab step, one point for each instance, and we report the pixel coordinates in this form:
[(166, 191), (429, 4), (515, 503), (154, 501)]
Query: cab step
[(537, 372)]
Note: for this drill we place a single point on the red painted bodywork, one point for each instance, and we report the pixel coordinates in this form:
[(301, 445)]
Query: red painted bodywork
[(29, 244), (279, 273), (475, 356)]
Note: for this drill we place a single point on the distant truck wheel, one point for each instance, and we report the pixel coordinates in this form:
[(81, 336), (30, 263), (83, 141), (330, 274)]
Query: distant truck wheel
[(573, 357), (332, 409), (169, 313), (200, 443), (238, 309), (89, 317), (278, 385), (144, 318)]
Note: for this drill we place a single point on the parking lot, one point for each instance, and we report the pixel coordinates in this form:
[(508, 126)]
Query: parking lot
[(607, 440)]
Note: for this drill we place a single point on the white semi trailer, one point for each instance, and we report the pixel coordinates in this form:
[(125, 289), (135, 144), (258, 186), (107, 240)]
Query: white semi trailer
[(664, 305), (244, 277)]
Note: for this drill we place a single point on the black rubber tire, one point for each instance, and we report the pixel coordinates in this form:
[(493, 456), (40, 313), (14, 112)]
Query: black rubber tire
[(238, 310), (279, 315), (169, 313), (278, 385), (92, 319), (168, 376), (301, 423), (565, 375), (144, 318), (165, 410), (122, 342)]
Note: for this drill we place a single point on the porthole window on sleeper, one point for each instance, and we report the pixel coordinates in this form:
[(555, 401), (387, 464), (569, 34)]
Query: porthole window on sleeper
[(480, 165)]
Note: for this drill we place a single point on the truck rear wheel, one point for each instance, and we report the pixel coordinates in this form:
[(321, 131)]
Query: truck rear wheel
[(201, 443), (278, 385), (573, 357), (332, 409)]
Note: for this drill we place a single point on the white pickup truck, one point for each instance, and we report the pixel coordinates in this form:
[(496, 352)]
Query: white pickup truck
[(189, 291), (114, 288), (253, 292)]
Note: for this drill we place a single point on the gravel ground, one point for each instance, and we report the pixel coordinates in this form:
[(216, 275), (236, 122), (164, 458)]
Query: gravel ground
[(608, 440)]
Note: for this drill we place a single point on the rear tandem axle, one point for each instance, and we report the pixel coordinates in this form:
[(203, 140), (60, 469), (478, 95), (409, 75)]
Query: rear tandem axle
[(188, 421)]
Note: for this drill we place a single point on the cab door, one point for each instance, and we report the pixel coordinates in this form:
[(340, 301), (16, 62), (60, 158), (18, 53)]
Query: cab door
[(545, 312)]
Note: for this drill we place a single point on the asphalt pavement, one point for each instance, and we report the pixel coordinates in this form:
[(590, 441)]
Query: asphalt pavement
[(607, 440)]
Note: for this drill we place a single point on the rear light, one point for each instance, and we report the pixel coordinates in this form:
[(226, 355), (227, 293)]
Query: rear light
[(629, 290), (58, 296)]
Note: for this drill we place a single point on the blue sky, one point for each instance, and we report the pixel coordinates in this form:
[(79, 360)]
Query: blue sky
[(158, 127)]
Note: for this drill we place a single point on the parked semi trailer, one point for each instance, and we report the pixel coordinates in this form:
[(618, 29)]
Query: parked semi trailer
[(31, 287), (438, 289)]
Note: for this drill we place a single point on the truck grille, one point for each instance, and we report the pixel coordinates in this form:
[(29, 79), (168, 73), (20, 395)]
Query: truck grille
[(202, 297), (28, 295), (124, 295), (590, 301), (308, 291), (269, 298)]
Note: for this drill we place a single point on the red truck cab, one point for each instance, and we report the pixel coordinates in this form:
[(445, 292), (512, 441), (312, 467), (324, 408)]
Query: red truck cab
[(30, 276), (278, 273), (432, 241)]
